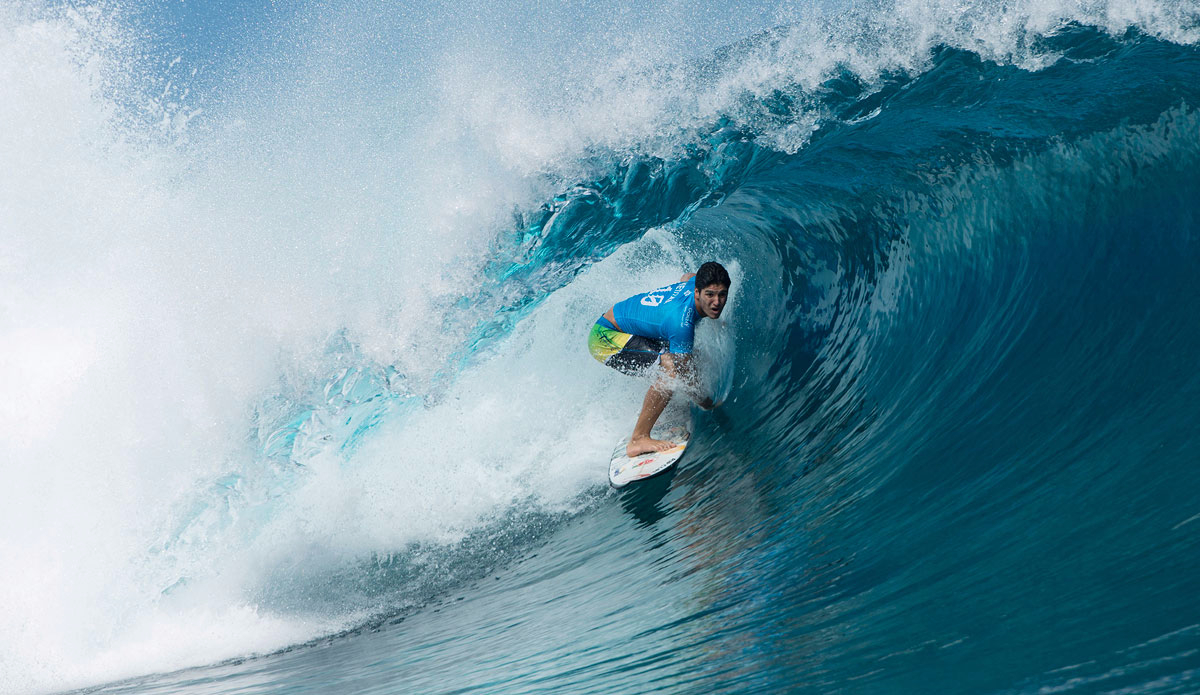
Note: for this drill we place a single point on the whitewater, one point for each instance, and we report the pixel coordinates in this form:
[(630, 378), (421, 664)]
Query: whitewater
[(296, 395)]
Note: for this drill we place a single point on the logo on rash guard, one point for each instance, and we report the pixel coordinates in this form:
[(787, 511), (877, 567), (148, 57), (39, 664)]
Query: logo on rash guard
[(652, 299)]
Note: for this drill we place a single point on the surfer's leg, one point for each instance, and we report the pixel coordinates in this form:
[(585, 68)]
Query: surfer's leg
[(652, 406), (605, 342), (634, 354), (628, 354), (638, 355)]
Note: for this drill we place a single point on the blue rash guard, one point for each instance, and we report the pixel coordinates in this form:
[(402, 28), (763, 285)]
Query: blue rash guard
[(668, 313)]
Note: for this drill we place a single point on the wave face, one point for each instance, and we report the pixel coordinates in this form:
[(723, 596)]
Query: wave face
[(293, 321)]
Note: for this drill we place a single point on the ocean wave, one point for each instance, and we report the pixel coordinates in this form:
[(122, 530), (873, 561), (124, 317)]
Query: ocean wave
[(285, 367)]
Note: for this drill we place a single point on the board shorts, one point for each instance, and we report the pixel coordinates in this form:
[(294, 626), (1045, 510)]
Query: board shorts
[(626, 353)]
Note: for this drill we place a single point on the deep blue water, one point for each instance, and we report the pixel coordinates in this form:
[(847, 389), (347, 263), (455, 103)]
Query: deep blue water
[(957, 453)]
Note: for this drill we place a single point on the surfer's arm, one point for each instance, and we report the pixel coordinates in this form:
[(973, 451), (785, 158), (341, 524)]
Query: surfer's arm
[(687, 276), (679, 367)]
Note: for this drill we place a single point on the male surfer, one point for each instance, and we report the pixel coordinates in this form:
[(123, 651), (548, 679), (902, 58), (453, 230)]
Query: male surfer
[(658, 326)]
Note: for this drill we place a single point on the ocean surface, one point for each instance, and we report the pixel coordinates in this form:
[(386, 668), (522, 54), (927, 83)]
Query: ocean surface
[(296, 396)]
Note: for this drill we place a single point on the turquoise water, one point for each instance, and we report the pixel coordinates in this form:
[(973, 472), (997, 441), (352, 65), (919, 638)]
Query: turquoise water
[(300, 400)]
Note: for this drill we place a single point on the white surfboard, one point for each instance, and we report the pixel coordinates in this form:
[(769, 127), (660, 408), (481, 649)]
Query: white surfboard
[(623, 469)]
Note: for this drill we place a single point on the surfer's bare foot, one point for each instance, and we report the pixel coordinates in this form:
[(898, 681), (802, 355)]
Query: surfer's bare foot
[(646, 445)]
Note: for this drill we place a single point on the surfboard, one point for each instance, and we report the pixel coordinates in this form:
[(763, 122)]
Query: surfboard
[(623, 469)]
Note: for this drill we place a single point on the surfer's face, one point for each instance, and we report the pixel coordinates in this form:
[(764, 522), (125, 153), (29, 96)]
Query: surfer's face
[(710, 301)]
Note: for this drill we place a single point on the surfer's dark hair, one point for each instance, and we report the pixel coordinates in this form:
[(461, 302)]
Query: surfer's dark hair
[(712, 273)]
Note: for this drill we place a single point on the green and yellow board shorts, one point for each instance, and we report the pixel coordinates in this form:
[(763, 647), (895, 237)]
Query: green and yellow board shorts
[(624, 352)]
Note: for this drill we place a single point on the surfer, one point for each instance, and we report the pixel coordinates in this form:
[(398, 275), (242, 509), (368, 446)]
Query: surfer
[(658, 326)]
